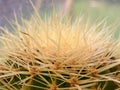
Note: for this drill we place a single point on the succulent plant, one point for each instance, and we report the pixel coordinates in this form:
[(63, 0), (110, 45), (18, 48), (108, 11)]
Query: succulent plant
[(54, 54)]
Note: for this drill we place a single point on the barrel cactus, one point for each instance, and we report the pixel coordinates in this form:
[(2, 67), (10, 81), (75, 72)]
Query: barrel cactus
[(55, 54)]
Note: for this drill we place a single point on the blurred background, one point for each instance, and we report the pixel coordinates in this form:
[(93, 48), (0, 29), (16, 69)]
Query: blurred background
[(102, 9)]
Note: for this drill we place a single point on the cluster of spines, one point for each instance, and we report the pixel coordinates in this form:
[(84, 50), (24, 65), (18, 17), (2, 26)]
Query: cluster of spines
[(56, 55)]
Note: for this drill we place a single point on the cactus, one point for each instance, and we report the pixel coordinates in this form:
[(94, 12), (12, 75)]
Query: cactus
[(53, 54)]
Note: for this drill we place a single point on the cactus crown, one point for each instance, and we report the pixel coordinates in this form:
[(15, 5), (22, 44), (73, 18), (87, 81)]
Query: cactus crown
[(53, 54)]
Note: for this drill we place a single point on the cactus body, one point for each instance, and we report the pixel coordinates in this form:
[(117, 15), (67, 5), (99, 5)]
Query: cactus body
[(53, 54)]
